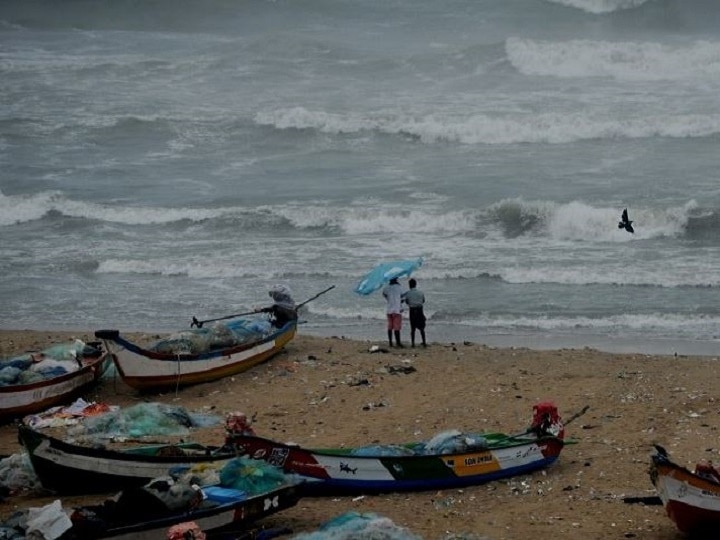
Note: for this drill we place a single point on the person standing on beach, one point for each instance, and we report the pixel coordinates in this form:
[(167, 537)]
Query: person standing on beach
[(393, 295), (415, 299)]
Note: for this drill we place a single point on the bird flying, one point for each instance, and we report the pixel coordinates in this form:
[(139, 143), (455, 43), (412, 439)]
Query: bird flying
[(625, 223)]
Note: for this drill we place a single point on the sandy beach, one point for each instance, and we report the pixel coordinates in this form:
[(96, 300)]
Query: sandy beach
[(308, 395)]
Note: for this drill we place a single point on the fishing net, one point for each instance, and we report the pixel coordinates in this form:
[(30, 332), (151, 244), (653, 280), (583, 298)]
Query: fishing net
[(252, 476), (357, 526)]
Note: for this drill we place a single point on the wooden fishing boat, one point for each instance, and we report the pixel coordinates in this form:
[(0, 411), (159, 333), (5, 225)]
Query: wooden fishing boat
[(68, 468), (346, 470), (216, 514), (691, 499), (151, 369), (18, 400)]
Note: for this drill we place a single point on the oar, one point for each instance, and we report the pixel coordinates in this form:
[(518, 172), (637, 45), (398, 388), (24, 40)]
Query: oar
[(565, 423), (199, 324), (576, 415), (331, 287)]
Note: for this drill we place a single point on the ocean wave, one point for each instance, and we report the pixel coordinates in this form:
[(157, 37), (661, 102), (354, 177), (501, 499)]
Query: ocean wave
[(653, 323), (577, 220), (361, 219), (616, 274), (20, 208), (601, 6), (164, 267), (663, 324), (506, 219), (620, 60), (552, 128), (212, 268)]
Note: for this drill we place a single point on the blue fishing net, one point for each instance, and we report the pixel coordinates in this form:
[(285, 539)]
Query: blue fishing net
[(377, 450), (213, 337), (252, 476), (34, 367)]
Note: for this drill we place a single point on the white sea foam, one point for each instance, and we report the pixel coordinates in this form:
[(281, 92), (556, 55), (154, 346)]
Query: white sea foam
[(601, 6), (620, 60), (542, 127), (617, 274), (20, 208), (652, 323), (370, 308), (352, 220), (209, 267)]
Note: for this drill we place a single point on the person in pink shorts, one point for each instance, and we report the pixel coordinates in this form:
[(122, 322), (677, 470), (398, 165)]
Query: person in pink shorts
[(393, 295)]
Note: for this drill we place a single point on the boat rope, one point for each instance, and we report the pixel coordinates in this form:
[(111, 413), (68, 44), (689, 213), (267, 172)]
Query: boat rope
[(177, 380)]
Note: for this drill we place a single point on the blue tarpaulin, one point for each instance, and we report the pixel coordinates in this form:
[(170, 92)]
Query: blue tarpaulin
[(384, 272)]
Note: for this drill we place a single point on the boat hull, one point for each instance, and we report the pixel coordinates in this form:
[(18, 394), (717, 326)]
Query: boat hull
[(691, 501), (230, 516), (145, 370), (330, 472), (20, 400), (67, 468)]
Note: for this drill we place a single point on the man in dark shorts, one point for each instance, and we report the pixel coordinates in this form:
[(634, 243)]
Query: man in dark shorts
[(415, 299)]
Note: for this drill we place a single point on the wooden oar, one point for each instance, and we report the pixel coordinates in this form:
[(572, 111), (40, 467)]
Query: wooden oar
[(331, 287), (199, 324), (565, 423)]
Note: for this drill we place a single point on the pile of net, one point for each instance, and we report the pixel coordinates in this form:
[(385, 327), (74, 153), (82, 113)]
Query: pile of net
[(211, 338), (49, 363), (446, 442), (357, 526), (142, 420)]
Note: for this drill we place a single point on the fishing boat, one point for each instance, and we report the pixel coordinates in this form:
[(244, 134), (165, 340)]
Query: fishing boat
[(71, 468), (416, 466), (87, 364), (221, 510), (691, 499), (68, 468), (198, 355)]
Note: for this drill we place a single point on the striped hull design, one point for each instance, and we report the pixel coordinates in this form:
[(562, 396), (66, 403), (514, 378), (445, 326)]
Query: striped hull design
[(20, 400), (73, 469), (329, 471), (232, 516), (146, 370), (691, 501)]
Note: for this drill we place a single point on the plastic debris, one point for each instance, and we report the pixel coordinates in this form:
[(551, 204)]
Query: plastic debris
[(18, 476), (185, 531), (48, 522)]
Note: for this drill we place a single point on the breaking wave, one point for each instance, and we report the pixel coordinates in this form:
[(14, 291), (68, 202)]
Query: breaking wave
[(601, 6), (580, 221), (552, 128), (352, 220), (621, 60)]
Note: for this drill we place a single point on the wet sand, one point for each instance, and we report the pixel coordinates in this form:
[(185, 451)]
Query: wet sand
[(308, 395)]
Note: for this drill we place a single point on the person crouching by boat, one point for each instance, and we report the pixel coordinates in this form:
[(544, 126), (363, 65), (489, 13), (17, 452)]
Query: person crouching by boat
[(283, 309)]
